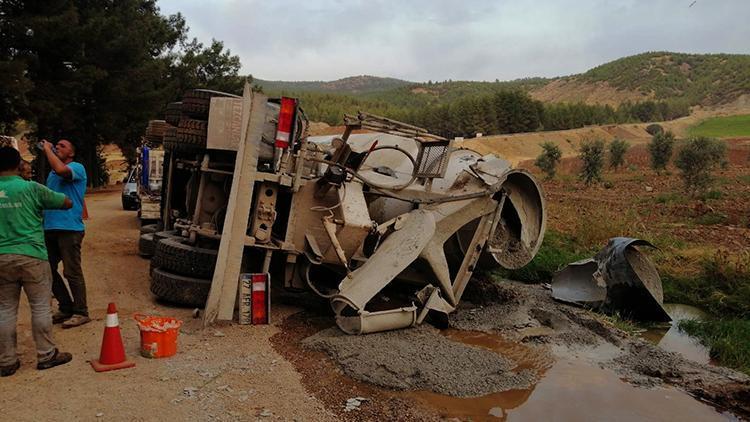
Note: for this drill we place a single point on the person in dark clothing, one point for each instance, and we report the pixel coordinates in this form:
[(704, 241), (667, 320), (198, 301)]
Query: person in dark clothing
[(64, 231)]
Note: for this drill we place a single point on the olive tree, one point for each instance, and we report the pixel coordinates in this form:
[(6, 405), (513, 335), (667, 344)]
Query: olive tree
[(591, 153), (617, 149), (697, 159), (548, 159), (660, 148)]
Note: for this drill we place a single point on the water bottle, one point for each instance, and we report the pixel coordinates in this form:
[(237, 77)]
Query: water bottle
[(40, 147)]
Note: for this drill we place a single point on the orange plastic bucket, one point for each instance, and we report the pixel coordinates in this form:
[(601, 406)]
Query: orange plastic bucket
[(158, 335)]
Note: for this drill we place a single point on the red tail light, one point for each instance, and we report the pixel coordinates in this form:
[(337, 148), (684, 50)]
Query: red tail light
[(286, 119), (260, 296)]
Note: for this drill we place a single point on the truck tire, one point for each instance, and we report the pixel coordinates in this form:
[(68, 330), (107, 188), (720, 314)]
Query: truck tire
[(179, 289), (149, 228), (196, 102), (190, 136), (158, 237), (146, 245), (173, 113), (165, 235), (170, 135), (168, 234), (173, 255), (155, 131)]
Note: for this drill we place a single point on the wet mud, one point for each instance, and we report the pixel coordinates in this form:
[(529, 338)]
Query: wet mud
[(513, 354), (422, 359)]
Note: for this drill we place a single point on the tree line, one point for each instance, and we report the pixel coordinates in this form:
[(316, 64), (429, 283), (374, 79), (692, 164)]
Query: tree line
[(96, 72), (509, 111)]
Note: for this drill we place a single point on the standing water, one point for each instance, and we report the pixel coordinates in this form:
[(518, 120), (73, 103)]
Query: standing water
[(570, 389), (671, 338)]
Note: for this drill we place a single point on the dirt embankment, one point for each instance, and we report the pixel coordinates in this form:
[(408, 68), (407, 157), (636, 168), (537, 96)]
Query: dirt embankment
[(571, 90), (519, 147)]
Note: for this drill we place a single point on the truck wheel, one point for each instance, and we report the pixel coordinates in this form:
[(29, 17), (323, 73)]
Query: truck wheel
[(173, 255), (179, 289), (196, 102), (165, 235), (155, 131), (173, 113), (170, 135), (158, 237), (190, 137), (146, 245), (149, 228)]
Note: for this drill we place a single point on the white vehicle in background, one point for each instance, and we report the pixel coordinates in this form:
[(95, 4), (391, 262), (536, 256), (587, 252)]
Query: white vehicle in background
[(130, 190)]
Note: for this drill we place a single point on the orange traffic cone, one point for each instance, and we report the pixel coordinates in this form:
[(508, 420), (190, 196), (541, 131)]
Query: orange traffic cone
[(112, 355)]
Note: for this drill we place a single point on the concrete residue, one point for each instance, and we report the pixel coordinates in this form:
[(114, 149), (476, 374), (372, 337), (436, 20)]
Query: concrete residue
[(421, 359), (527, 314), (486, 355), (646, 365)]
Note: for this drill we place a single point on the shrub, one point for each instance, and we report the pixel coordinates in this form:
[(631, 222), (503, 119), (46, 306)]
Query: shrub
[(696, 160), (591, 154), (548, 159), (660, 148), (617, 150), (653, 129)]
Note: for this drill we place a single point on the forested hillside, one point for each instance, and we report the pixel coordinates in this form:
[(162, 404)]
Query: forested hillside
[(652, 87), (697, 78)]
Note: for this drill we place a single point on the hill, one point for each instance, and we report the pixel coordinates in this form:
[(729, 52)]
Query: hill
[(705, 79), (694, 79), (350, 85)]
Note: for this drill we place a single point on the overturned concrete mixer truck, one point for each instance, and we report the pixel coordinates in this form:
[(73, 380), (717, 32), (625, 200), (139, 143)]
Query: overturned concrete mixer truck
[(385, 221)]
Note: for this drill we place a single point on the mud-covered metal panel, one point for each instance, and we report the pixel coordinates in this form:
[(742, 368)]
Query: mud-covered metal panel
[(576, 284), (620, 278), (633, 283), (224, 123)]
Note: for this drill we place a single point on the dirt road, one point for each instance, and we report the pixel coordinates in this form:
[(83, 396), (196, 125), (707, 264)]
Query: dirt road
[(228, 373)]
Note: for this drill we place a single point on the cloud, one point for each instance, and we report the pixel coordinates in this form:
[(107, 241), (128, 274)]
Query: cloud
[(460, 40)]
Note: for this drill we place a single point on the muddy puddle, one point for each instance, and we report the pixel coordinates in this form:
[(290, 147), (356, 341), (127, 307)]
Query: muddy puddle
[(570, 389), (517, 356), (669, 337)]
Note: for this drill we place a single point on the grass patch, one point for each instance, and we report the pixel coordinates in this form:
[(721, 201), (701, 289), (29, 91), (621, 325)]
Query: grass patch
[(711, 218), (722, 287), (557, 251), (712, 194), (722, 127), (618, 321), (744, 178), (670, 198), (728, 340)]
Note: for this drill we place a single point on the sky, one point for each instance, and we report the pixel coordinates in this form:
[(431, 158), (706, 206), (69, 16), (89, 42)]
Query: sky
[(421, 40)]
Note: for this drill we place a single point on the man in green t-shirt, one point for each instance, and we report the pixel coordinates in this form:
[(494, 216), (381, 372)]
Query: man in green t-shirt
[(23, 263)]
